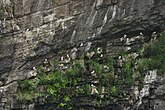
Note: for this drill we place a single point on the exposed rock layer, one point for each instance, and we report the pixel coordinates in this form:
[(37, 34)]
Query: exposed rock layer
[(31, 30)]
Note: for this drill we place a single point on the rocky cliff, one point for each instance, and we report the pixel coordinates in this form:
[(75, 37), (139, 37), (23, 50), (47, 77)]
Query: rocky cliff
[(32, 30)]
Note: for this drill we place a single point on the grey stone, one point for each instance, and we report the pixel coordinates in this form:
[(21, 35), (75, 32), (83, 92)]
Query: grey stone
[(43, 27)]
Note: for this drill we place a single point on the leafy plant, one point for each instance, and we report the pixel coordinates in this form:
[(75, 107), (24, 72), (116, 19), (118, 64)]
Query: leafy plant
[(60, 87), (154, 56), (98, 68), (127, 72), (114, 91)]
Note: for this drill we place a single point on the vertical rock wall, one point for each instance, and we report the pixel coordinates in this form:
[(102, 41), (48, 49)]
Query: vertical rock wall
[(31, 30)]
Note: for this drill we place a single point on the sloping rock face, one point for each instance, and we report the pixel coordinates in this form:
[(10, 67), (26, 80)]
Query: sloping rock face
[(155, 99), (32, 30)]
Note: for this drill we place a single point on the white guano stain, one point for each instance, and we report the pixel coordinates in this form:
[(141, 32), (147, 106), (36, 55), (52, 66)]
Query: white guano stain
[(99, 2), (149, 78), (91, 17), (114, 8), (104, 22)]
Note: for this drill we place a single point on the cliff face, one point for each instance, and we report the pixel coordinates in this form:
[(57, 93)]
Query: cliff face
[(32, 30)]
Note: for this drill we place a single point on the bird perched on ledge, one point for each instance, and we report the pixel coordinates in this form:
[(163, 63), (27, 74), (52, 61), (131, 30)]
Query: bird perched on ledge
[(94, 90)]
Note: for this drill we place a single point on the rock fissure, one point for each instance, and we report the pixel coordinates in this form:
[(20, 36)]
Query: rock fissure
[(33, 30)]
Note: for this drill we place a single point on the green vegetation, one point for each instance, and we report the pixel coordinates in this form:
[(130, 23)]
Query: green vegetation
[(153, 56), (54, 87), (127, 72), (60, 87)]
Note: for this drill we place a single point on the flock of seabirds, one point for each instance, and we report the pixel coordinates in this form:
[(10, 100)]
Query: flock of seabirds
[(66, 59)]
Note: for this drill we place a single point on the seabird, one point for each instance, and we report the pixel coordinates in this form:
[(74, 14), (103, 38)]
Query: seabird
[(125, 35), (154, 32), (94, 90), (128, 48), (1, 91), (67, 60), (92, 72), (122, 38), (141, 33), (16, 27), (128, 41), (34, 68), (33, 72), (106, 68), (62, 58), (119, 57), (81, 44), (99, 50), (46, 61), (154, 35), (67, 56)]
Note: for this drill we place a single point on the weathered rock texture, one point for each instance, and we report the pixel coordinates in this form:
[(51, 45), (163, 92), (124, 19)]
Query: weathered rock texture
[(31, 30)]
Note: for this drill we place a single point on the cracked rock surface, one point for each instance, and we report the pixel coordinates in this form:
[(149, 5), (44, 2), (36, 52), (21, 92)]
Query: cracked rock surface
[(32, 30)]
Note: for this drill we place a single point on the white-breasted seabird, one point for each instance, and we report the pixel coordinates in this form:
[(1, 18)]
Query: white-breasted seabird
[(62, 58), (67, 59), (34, 68), (141, 33), (125, 35), (45, 61), (154, 36), (99, 50), (81, 44), (94, 90), (33, 72), (93, 71)]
